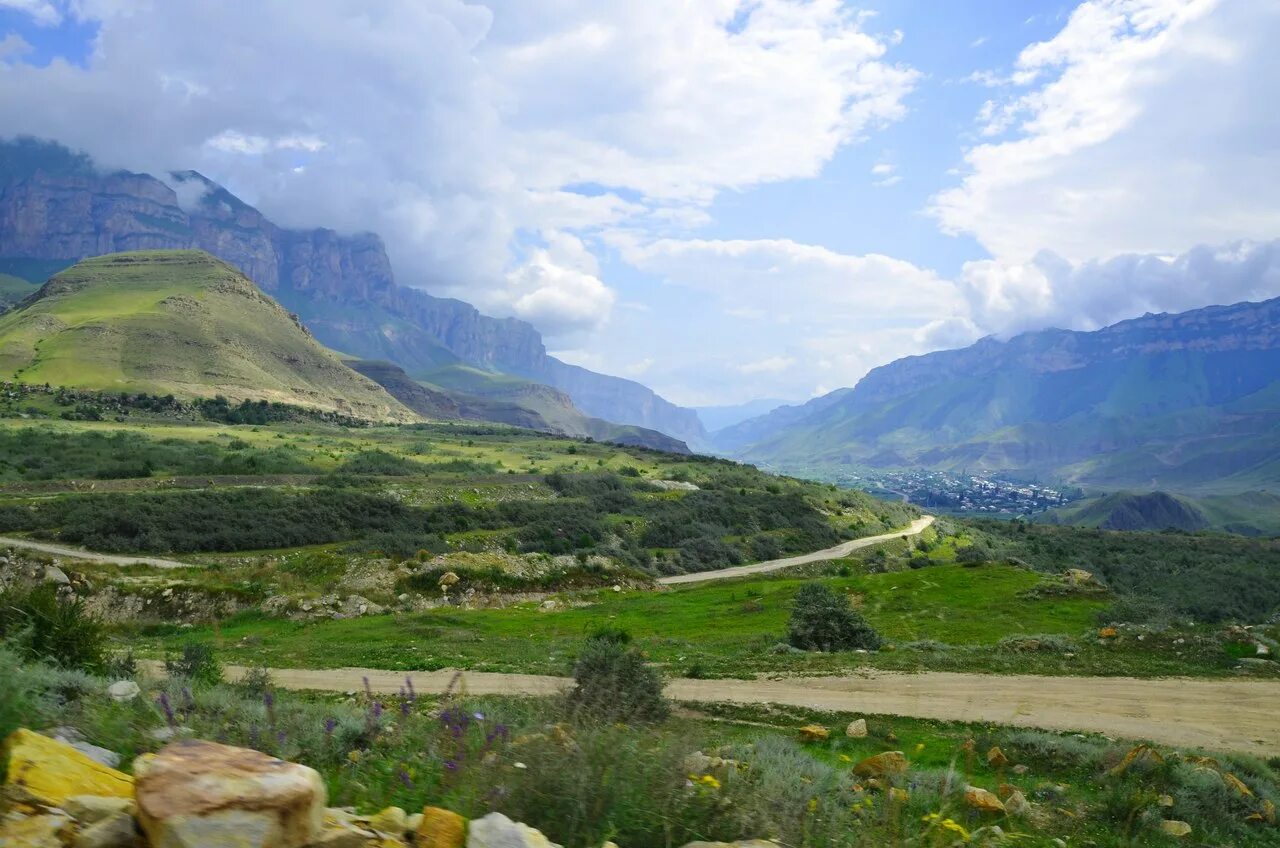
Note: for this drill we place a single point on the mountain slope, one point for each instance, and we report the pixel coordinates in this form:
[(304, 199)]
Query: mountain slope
[(56, 209), (1247, 514), (1188, 402), (181, 323)]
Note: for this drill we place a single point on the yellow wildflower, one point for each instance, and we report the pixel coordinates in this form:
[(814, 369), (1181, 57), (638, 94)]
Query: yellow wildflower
[(709, 780), (955, 827), (919, 747), (353, 756)]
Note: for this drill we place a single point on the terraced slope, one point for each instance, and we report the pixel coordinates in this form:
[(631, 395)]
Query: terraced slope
[(178, 322)]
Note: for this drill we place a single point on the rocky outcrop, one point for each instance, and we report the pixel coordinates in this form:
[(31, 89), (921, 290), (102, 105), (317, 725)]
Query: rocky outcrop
[(55, 209)]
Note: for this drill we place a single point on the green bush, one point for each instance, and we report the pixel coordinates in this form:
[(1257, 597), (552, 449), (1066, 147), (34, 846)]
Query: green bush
[(615, 684), (196, 662), (43, 626), (823, 620)]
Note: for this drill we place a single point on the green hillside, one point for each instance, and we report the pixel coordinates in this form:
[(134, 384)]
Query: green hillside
[(1247, 514), (181, 323), (13, 290)]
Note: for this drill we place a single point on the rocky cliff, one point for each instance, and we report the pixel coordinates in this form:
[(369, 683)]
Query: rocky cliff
[(56, 209)]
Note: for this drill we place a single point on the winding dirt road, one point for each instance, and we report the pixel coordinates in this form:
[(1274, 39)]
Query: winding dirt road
[(90, 556), (842, 550), (1229, 715)]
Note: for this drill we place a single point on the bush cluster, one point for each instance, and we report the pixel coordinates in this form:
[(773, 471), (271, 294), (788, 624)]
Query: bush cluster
[(824, 620)]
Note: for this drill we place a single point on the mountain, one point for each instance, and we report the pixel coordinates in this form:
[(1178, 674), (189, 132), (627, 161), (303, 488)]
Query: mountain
[(719, 417), (57, 208), (181, 323), (1187, 402), (1246, 514)]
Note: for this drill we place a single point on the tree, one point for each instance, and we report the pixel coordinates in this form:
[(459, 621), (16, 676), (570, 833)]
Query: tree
[(823, 620), (615, 684)]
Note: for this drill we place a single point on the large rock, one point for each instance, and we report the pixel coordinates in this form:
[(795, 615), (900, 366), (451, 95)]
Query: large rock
[(123, 690), (196, 794), (1176, 829), (115, 831), (814, 733), (89, 809), (857, 729), (50, 771), (32, 831), (882, 765), (983, 801), (497, 831), (441, 828)]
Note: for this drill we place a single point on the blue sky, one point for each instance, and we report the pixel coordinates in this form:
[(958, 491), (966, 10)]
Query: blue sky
[(725, 200)]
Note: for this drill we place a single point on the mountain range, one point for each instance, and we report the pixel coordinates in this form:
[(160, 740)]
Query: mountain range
[(57, 208), (1187, 402)]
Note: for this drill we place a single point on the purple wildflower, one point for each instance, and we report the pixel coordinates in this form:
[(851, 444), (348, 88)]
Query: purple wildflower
[(329, 725), (163, 701), (404, 778)]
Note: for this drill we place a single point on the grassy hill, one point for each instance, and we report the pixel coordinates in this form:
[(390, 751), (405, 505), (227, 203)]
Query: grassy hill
[(1247, 514), (13, 290), (181, 323)]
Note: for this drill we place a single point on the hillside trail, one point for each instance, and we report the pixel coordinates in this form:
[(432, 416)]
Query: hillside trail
[(842, 550), (91, 556), (1223, 715)]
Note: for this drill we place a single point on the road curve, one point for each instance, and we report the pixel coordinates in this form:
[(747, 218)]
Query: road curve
[(1225, 715), (841, 550), (90, 556)]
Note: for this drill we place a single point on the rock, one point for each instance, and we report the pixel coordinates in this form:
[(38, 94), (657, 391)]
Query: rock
[(110, 759), (996, 758), (391, 820), (1269, 811), (89, 809), (1236, 785), (1165, 801), (338, 833), (548, 605), (900, 796), (1021, 769), (123, 690), (50, 771), (32, 831), (197, 793), (441, 828), (814, 733), (116, 831), (448, 579), (882, 765), (857, 729), (412, 823), (1175, 828), (1017, 804), (497, 831), (983, 801), (1139, 755), (1079, 577), (53, 574), (1108, 633)]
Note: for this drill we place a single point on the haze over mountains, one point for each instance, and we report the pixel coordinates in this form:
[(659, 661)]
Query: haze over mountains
[(56, 208)]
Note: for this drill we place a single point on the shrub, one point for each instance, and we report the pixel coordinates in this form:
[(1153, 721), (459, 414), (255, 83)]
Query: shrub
[(615, 684), (822, 620), (1049, 643), (196, 662), (43, 626), (972, 555)]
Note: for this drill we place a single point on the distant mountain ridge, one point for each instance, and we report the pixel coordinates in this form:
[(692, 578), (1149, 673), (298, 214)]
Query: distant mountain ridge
[(1184, 402), (56, 208)]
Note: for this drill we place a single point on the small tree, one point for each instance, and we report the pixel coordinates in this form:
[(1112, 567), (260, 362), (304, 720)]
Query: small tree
[(823, 620), (615, 684)]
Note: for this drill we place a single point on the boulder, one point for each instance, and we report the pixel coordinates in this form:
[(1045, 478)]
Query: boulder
[(32, 831), (1176, 829), (1165, 800), (196, 794), (413, 822), (123, 690), (983, 801), (1079, 577), (1017, 804), (857, 729), (392, 820), (882, 765), (448, 579), (338, 833), (90, 809), (996, 758), (53, 574), (115, 831), (50, 771), (441, 828), (814, 733), (497, 831)]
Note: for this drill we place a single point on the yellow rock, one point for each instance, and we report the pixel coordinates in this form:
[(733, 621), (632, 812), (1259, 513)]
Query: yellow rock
[(899, 795), (51, 772), (882, 765), (996, 758), (1108, 633), (1140, 754), (441, 828), (1165, 801), (982, 800), (1236, 785), (1269, 812), (1175, 828), (32, 832), (391, 820), (814, 733)]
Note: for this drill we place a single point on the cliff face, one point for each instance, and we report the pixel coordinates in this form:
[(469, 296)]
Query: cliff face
[(55, 209)]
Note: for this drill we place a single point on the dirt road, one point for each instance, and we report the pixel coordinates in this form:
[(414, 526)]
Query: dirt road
[(77, 553), (1234, 715), (841, 550)]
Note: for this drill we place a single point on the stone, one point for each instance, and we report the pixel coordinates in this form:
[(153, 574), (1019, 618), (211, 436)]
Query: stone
[(32, 831), (1108, 633), (98, 754), (123, 690), (497, 831), (343, 834), (857, 729), (89, 809), (116, 831), (983, 801), (1140, 754), (1079, 577), (412, 823), (900, 796), (196, 793), (814, 733), (1017, 804), (448, 579), (882, 765), (441, 828), (1269, 812), (1165, 800), (53, 574), (1021, 769), (1236, 785), (50, 771), (1176, 829), (996, 758), (391, 820)]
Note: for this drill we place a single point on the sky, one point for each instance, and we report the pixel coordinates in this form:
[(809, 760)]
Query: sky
[(723, 199)]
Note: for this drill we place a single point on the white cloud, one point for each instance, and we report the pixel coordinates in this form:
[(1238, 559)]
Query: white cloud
[(1146, 127), (557, 289), (769, 365), (458, 129), (42, 12)]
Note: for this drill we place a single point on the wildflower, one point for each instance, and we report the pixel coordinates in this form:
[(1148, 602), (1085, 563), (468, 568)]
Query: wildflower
[(353, 756), (919, 747), (709, 780), (405, 779), (330, 724), (163, 701), (845, 758), (955, 827), (368, 690), (813, 805), (479, 716)]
